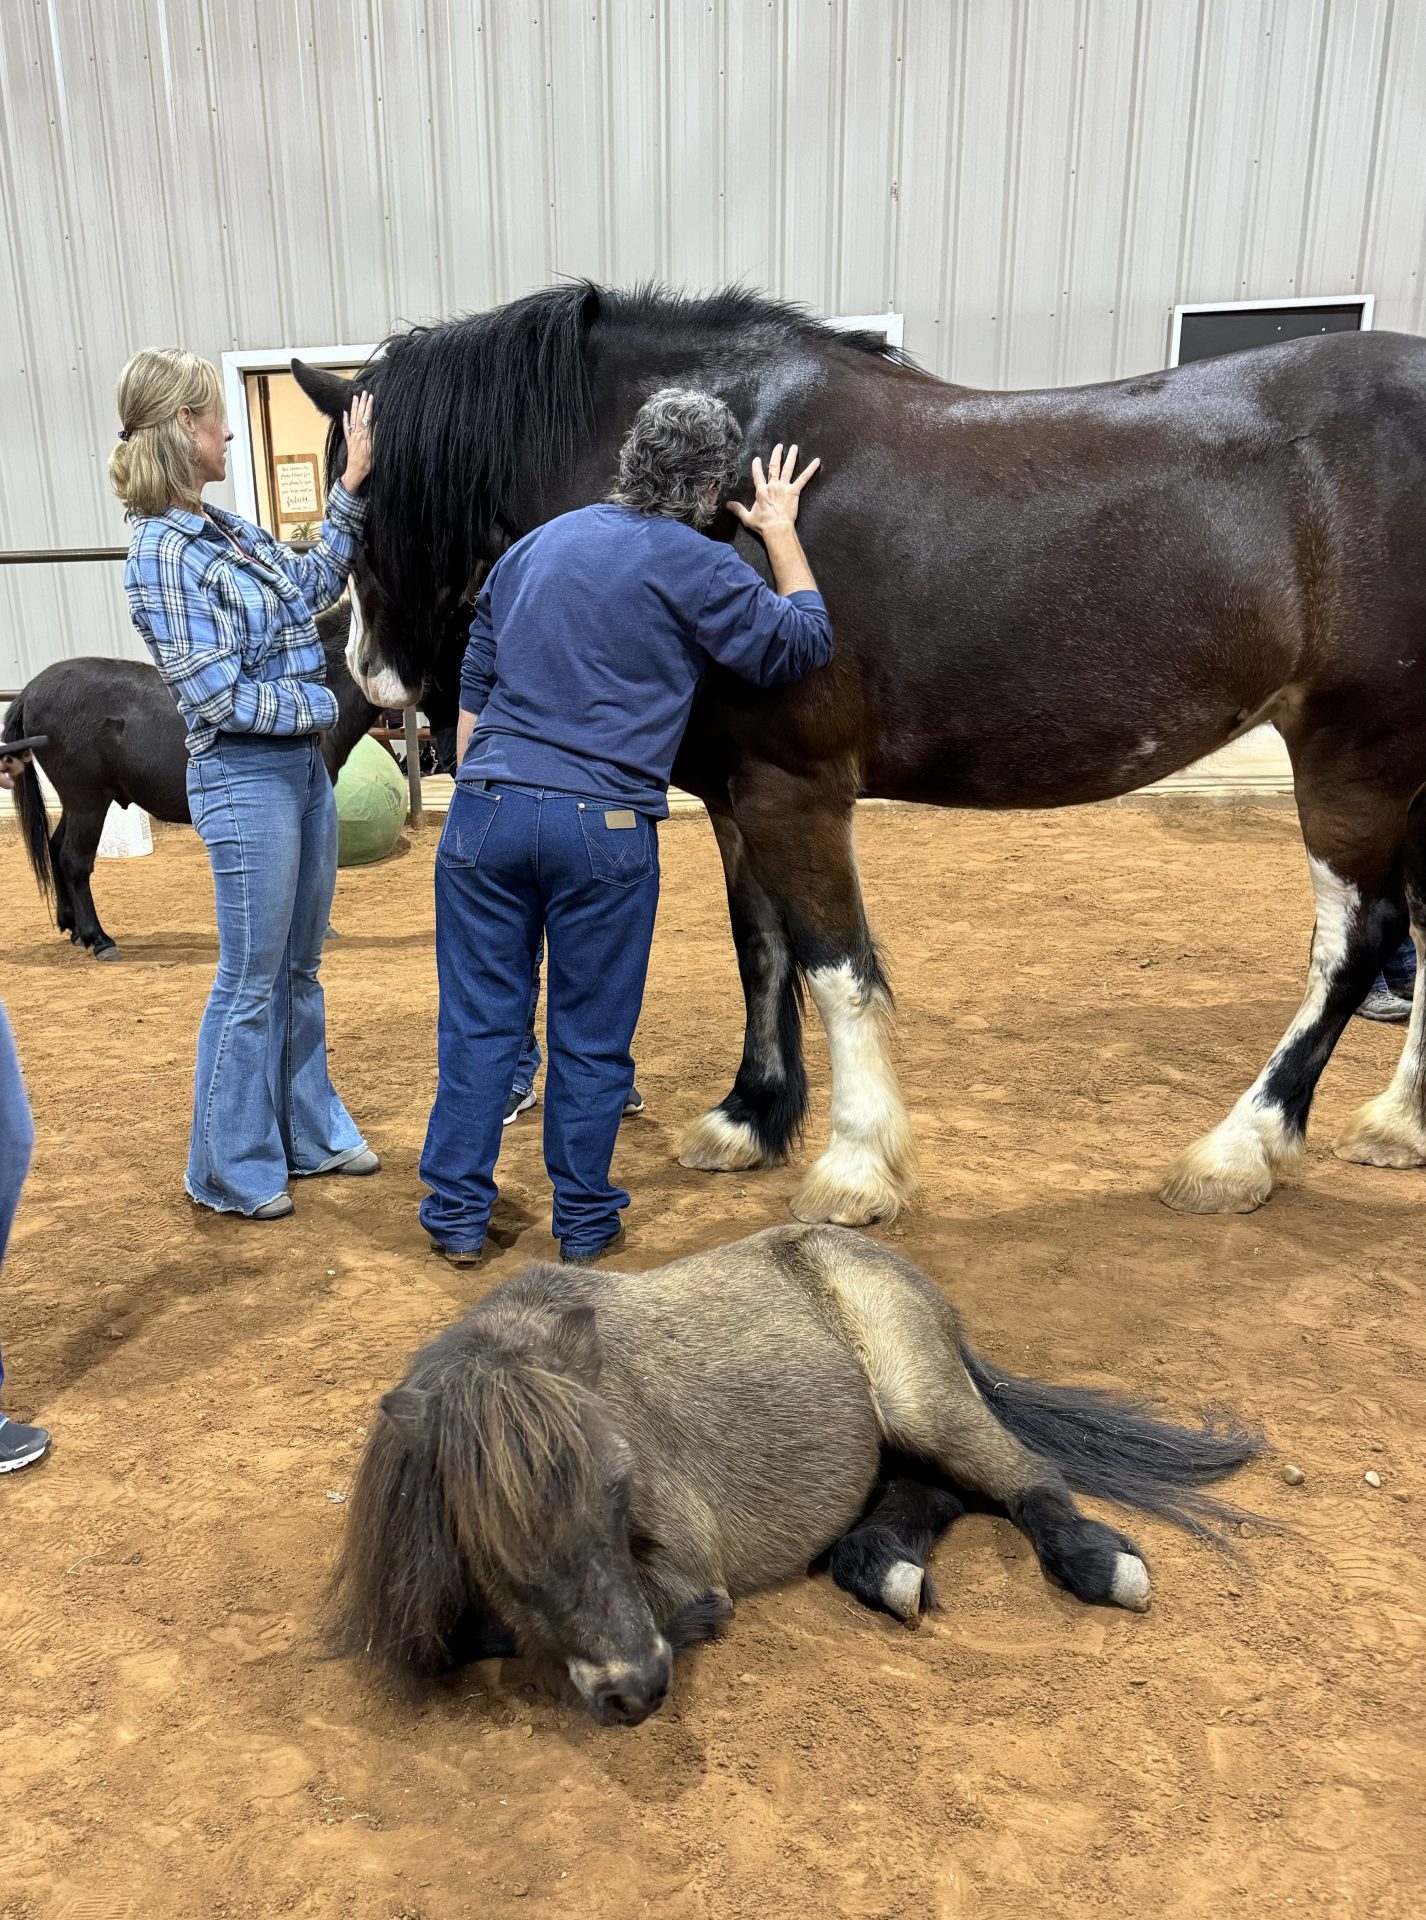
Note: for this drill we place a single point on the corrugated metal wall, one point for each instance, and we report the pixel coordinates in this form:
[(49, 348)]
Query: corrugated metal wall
[(1034, 183)]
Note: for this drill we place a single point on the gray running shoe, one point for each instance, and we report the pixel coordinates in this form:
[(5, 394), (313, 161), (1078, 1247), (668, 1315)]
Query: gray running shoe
[(20, 1446), (1382, 1004)]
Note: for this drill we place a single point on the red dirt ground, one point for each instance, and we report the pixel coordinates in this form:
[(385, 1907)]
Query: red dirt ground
[(1080, 995)]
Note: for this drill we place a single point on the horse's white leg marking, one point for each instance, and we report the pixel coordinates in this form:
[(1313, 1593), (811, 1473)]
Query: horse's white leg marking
[(1390, 1131), (1230, 1170), (868, 1171), (714, 1143)]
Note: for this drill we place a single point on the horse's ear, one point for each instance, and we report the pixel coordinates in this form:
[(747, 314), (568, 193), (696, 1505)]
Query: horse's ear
[(576, 1341), (412, 1411), (330, 393)]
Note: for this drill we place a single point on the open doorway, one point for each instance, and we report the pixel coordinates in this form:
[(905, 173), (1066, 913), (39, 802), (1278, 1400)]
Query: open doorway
[(279, 437)]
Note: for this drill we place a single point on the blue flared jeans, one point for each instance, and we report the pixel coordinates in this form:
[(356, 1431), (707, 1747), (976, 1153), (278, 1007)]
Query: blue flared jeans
[(264, 1107)]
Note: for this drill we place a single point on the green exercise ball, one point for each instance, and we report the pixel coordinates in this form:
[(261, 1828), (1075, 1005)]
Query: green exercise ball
[(371, 804)]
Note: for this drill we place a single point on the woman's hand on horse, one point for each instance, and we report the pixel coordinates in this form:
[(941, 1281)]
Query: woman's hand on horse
[(776, 493), (12, 765), (356, 425)]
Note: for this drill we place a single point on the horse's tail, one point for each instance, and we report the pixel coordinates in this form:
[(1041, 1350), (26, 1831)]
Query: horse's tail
[(401, 1596), (30, 807), (1122, 1450)]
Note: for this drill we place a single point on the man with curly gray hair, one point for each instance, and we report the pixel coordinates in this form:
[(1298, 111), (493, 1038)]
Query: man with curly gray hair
[(588, 643)]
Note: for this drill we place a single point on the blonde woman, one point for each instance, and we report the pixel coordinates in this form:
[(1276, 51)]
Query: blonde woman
[(226, 613)]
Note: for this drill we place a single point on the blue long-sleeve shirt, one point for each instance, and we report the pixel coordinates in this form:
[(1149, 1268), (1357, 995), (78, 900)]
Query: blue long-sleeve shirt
[(590, 637), (230, 625)]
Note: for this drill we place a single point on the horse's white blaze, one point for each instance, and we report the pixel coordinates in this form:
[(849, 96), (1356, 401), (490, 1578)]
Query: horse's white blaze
[(1130, 1584), (716, 1144), (1390, 1131), (356, 629), (901, 1589), (384, 687), (868, 1170), (1230, 1170)]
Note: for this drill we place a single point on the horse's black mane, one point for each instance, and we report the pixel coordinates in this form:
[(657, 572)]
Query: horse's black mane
[(476, 411)]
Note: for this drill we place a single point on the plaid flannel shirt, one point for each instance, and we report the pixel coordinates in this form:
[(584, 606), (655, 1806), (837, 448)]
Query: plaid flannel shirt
[(232, 632)]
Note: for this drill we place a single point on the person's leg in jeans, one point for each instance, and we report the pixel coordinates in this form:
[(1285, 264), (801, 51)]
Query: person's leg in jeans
[(601, 879), (1400, 971), (318, 1133), (247, 799), (20, 1445), (522, 1091), (488, 921)]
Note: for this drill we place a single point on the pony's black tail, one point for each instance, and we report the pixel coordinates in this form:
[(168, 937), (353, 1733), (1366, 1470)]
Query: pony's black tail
[(30, 807), (1123, 1450)]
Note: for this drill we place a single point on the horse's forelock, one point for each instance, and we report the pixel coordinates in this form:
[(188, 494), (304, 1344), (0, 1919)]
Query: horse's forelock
[(516, 1459)]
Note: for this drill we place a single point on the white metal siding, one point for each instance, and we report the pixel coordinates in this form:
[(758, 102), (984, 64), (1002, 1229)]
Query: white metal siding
[(1034, 183)]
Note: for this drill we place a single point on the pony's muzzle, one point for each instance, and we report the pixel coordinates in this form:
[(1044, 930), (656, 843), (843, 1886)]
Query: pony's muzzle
[(624, 1693)]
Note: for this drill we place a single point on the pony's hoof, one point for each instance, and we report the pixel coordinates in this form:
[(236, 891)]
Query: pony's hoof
[(111, 952), (716, 1144), (1384, 1133), (1218, 1176), (1130, 1585), (848, 1187), (903, 1591)]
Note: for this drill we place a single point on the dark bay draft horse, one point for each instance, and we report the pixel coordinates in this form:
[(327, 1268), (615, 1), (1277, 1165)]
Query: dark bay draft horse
[(115, 737), (1039, 600)]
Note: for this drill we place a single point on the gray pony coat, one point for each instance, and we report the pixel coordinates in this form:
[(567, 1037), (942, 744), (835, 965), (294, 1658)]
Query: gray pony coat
[(756, 1391)]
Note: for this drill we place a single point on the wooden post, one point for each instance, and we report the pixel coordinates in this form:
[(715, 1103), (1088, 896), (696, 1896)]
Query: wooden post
[(413, 764)]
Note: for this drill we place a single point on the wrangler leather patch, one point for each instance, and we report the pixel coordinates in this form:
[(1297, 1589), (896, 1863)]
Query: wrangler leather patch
[(620, 819)]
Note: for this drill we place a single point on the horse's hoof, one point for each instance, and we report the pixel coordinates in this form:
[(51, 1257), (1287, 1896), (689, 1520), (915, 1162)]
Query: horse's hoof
[(1386, 1132), (716, 1144), (850, 1187), (1227, 1171), (1130, 1585), (903, 1591), (111, 952)]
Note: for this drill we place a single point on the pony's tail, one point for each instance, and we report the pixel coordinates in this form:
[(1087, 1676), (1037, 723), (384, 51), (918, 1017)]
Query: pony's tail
[(401, 1597), (1122, 1450), (30, 808)]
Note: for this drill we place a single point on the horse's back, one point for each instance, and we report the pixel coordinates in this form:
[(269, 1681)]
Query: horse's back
[(1066, 595), (114, 735), (751, 1417)]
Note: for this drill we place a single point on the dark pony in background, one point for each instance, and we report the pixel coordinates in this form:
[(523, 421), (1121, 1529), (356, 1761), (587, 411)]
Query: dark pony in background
[(117, 739), (1039, 600)]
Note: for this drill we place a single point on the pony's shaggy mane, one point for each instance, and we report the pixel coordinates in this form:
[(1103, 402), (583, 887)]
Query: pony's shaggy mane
[(474, 412), (514, 1457)]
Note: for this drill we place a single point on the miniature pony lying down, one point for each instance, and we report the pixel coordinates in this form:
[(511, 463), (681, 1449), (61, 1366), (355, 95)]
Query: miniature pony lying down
[(590, 1466)]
